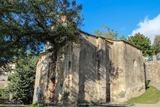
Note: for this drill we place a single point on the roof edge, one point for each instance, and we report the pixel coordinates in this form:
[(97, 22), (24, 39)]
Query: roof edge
[(108, 39)]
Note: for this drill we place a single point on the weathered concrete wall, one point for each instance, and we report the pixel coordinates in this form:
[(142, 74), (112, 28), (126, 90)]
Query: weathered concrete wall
[(153, 71), (95, 70), (127, 74)]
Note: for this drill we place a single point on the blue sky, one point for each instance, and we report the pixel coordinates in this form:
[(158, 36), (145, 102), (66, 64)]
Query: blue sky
[(124, 16)]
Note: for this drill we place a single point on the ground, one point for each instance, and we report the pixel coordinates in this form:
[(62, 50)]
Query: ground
[(151, 96)]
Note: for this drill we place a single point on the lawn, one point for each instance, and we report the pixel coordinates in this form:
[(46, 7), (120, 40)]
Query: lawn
[(33, 105), (152, 95)]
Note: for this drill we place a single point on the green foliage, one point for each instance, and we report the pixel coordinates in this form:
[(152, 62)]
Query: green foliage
[(123, 38), (4, 93), (156, 44), (142, 42), (1, 92), (26, 24), (106, 32), (147, 84), (22, 80), (152, 95), (33, 105)]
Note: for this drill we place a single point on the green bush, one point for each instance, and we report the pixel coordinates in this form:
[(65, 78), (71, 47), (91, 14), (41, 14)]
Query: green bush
[(147, 84), (4, 93), (33, 105), (1, 92)]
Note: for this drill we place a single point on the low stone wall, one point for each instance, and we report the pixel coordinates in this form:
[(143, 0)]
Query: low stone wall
[(153, 71)]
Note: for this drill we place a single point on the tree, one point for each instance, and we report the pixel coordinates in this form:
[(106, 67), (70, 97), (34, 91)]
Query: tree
[(22, 80), (107, 32), (156, 44), (27, 24), (142, 42), (123, 38)]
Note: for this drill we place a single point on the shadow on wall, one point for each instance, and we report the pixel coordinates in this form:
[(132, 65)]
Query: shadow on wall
[(94, 73), (83, 74), (66, 86)]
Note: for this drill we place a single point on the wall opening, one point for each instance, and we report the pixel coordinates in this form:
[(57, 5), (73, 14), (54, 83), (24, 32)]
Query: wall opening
[(134, 62)]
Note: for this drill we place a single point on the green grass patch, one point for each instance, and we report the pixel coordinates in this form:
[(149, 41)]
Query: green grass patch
[(152, 95), (33, 105)]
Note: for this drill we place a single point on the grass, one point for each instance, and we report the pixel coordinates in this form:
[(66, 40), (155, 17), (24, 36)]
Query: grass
[(33, 105), (152, 95)]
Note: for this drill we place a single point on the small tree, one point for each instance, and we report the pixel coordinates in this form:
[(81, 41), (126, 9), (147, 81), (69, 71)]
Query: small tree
[(142, 42), (156, 44), (22, 80), (123, 38), (106, 32)]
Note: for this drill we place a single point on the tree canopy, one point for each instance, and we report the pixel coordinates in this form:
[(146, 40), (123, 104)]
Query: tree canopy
[(123, 38), (106, 32), (27, 24), (22, 80), (142, 42), (156, 44)]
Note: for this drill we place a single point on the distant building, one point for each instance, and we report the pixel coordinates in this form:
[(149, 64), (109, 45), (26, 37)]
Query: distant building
[(4, 73)]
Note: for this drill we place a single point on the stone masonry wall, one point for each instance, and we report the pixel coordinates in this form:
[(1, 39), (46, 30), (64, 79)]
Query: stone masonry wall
[(153, 71), (67, 77), (134, 72), (127, 74), (42, 78), (94, 71)]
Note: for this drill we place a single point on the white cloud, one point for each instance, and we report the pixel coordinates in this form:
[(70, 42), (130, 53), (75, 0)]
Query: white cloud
[(149, 27)]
